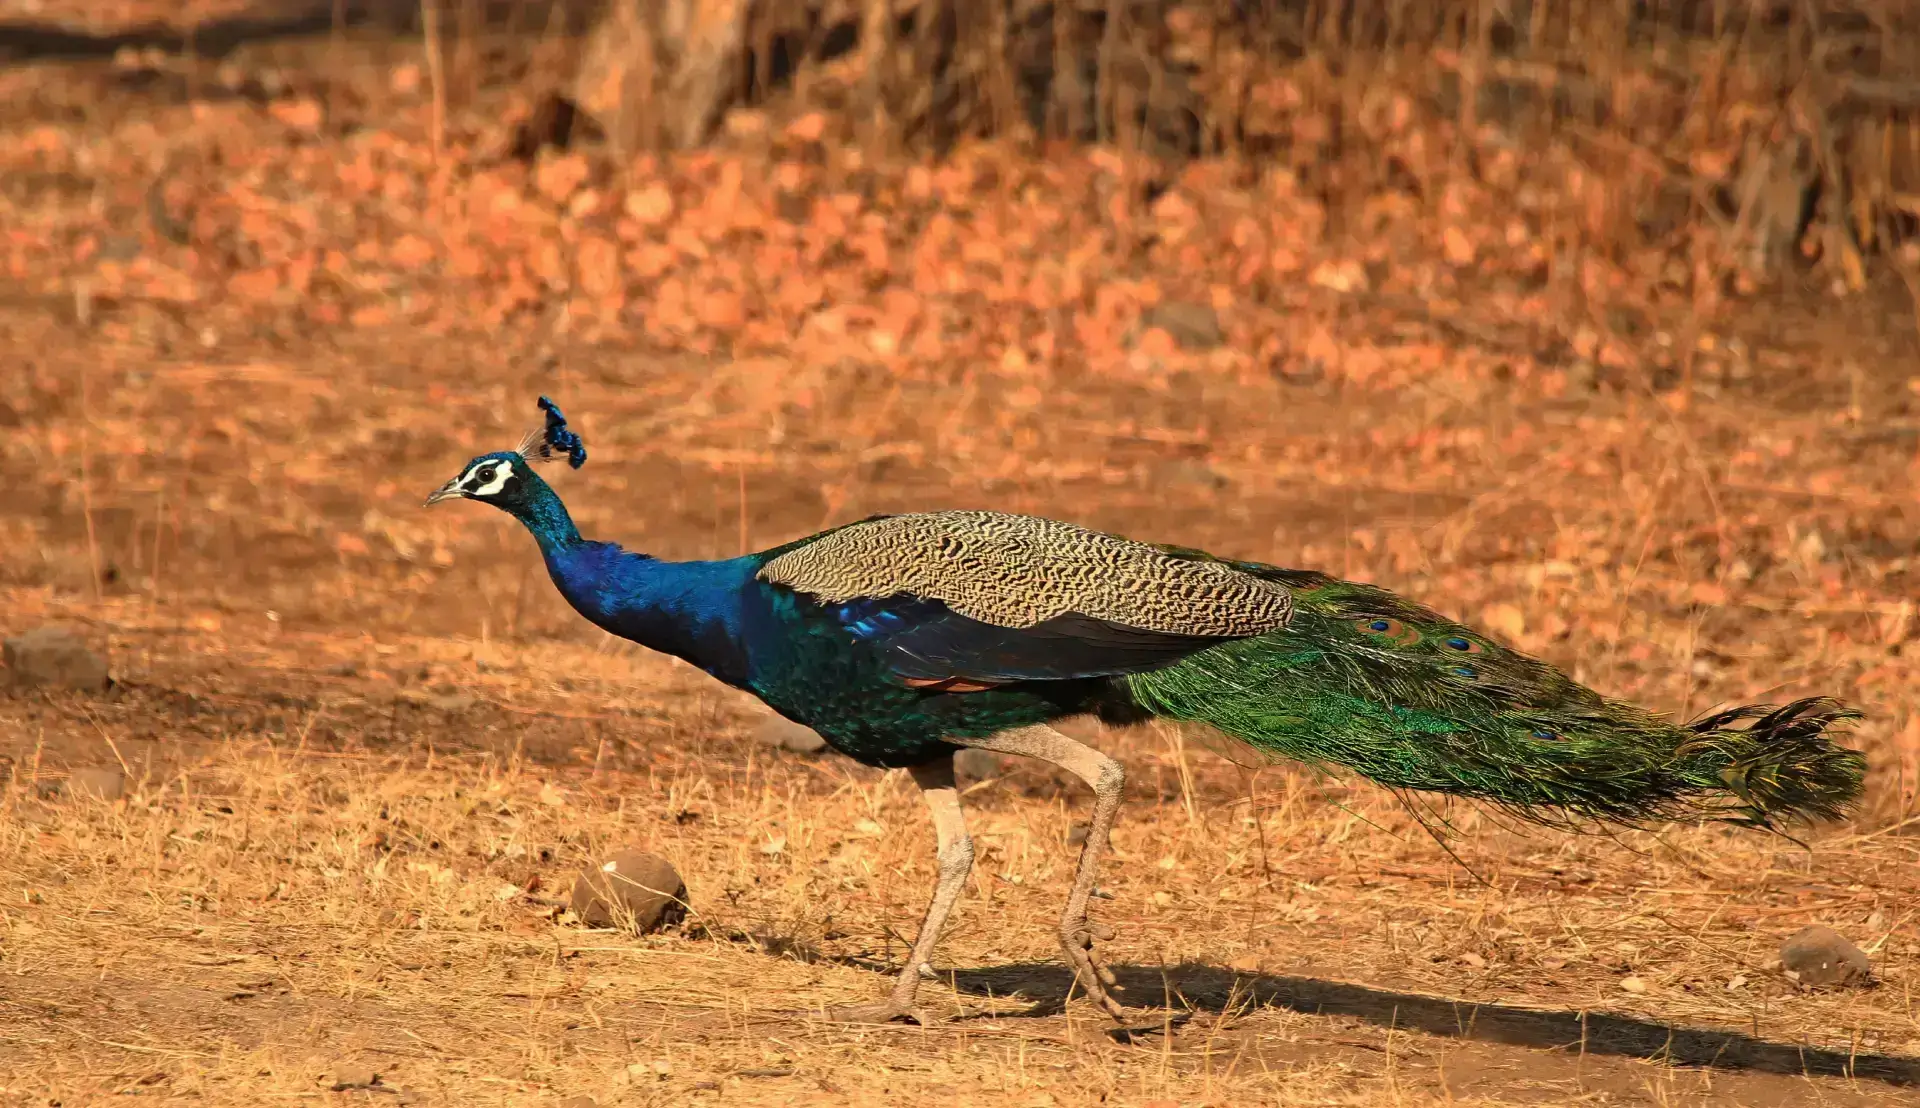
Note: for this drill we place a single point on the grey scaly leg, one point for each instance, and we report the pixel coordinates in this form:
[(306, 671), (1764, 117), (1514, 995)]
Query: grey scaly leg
[(956, 861), (1107, 779)]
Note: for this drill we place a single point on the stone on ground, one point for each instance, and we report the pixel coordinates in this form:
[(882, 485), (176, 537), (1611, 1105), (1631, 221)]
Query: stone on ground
[(782, 732), (1193, 326), (630, 885), (106, 783), (976, 765), (53, 657), (1820, 956), (353, 1075)]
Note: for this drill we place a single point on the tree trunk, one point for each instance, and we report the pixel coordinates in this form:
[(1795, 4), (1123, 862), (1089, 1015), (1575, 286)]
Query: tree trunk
[(658, 73)]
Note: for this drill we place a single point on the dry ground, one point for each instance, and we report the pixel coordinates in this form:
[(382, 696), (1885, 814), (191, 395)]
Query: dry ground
[(363, 775), (371, 746)]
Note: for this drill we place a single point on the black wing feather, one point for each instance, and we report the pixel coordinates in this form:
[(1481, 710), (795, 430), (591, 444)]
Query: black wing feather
[(924, 641), (1066, 647)]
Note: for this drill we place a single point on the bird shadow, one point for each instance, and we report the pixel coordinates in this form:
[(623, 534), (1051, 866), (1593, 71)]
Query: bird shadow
[(1198, 987), (1186, 988)]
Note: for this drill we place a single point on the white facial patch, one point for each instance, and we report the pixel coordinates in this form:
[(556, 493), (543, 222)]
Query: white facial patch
[(490, 476)]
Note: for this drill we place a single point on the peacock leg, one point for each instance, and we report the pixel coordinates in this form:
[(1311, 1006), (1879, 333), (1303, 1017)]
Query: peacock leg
[(1107, 779), (956, 861)]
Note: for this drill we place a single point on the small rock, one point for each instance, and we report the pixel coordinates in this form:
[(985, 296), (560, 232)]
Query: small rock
[(1077, 836), (806, 741), (54, 657), (445, 700), (976, 764), (630, 883), (105, 783), (579, 1102), (1633, 984), (1342, 277), (1194, 326), (787, 735), (353, 1075), (638, 1072), (118, 248), (1189, 471), (1473, 961), (1821, 956)]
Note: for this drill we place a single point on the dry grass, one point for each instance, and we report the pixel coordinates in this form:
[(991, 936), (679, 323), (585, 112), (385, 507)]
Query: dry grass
[(255, 916), (371, 744), (272, 902)]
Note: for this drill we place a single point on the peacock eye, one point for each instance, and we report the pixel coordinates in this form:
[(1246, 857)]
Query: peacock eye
[(1463, 645), (1546, 736), (1390, 629), (1467, 672)]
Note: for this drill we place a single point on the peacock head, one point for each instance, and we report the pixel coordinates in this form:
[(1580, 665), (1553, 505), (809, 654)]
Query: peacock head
[(505, 478)]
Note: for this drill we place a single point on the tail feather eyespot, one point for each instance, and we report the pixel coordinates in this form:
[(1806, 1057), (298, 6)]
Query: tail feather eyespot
[(1392, 630)]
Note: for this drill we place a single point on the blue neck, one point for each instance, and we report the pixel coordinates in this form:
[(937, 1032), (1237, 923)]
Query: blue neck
[(692, 610), (543, 513)]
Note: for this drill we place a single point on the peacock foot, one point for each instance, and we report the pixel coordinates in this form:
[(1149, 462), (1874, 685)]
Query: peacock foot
[(1077, 937), (885, 1011)]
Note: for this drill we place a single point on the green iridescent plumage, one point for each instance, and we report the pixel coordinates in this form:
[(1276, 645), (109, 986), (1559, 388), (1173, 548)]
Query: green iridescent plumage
[(1360, 679), (1365, 680), (900, 638)]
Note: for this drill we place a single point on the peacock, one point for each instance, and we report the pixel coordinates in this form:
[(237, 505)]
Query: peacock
[(901, 639)]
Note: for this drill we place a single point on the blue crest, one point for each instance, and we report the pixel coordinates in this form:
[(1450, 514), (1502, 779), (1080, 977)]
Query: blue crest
[(554, 440)]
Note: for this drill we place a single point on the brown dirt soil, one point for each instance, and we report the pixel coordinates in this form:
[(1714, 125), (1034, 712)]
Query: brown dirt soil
[(368, 744)]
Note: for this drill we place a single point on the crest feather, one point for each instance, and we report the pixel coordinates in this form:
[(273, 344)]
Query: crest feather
[(553, 440)]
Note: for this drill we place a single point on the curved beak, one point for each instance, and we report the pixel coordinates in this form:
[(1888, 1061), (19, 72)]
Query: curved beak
[(448, 491)]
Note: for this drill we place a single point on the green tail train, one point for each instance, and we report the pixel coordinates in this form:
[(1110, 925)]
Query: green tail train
[(1364, 679)]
